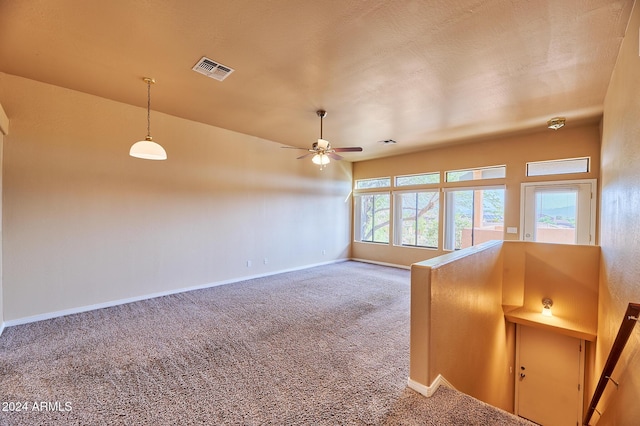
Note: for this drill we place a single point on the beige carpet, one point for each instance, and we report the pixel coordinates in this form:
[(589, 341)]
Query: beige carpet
[(326, 345)]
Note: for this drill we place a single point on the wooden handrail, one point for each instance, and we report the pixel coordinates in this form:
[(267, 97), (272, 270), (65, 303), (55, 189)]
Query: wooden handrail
[(630, 319)]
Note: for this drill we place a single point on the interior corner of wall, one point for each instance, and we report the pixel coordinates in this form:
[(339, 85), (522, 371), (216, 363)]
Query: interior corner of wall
[(4, 122)]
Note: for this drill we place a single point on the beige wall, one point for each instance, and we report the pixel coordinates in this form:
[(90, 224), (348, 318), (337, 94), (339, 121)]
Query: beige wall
[(458, 328), (568, 274), (620, 229), (514, 152), (1, 298), (86, 224), (4, 129), (458, 325)]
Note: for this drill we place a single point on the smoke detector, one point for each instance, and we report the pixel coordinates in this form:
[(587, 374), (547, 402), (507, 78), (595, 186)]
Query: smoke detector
[(212, 69), (556, 123)]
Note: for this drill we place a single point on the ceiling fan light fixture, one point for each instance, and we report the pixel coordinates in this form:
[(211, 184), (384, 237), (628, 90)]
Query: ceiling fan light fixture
[(147, 149), (321, 159), (323, 143), (321, 151)]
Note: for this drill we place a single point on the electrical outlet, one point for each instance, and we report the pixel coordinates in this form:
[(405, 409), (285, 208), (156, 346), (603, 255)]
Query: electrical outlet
[(248, 264), (266, 261), (324, 252)]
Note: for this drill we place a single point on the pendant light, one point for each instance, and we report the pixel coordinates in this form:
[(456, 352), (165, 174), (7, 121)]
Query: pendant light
[(148, 149)]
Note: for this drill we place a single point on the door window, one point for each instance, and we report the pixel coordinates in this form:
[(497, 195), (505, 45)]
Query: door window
[(559, 212)]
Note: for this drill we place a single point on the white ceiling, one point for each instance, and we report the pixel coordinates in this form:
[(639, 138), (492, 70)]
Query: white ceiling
[(424, 73)]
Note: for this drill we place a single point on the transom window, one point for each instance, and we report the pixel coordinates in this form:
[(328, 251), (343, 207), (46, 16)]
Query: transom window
[(558, 167), (373, 183), (421, 179), (494, 172)]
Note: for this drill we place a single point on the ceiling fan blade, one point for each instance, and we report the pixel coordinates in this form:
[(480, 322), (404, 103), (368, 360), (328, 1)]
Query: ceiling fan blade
[(349, 149), (334, 156), (305, 156), (294, 147)]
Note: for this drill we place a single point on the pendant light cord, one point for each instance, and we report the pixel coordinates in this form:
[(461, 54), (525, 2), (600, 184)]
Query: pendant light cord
[(148, 109)]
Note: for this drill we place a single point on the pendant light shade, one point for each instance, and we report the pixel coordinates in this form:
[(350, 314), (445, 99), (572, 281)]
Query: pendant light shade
[(147, 149)]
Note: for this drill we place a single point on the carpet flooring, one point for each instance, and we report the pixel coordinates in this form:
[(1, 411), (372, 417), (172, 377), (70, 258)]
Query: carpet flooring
[(321, 346)]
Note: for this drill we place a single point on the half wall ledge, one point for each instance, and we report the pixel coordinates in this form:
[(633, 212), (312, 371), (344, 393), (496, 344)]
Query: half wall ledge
[(558, 325)]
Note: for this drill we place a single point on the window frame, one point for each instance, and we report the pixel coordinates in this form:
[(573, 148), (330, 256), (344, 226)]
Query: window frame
[(398, 218), (396, 185), (585, 230), (448, 219), (357, 181), (474, 169), (357, 218), (559, 160)]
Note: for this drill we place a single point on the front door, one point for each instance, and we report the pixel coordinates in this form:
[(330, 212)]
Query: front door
[(549, 377)]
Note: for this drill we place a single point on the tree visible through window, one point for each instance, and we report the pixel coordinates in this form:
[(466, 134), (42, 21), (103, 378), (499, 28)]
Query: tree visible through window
[(473, 216), (374, 218), (417, 216), (373, 183), (421, 179)]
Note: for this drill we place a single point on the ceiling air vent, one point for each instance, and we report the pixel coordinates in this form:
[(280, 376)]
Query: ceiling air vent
[(212, 69)]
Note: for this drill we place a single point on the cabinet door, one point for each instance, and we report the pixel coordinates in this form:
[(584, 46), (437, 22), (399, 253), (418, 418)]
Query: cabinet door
[(549, 377)]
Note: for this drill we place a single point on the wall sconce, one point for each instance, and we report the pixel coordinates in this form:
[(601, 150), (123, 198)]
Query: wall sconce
[(547, 304)]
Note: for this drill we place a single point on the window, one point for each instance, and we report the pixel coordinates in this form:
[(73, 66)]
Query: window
[(473, 216), (422, 179), (417, 218), (373, 183), (494, 172), (372, 215), (558, 167)]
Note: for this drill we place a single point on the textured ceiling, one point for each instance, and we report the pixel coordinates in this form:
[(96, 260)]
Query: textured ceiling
[(423, 73)]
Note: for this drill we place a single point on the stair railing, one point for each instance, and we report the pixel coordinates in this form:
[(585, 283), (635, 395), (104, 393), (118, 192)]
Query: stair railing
[(631, 317)]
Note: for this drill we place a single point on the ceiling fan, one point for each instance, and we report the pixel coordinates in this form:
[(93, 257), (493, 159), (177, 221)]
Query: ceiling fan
[(321, 150)]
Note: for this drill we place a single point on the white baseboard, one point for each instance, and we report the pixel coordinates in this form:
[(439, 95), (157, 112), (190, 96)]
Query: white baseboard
[(86, 308), (393, 265), (428, 391)]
